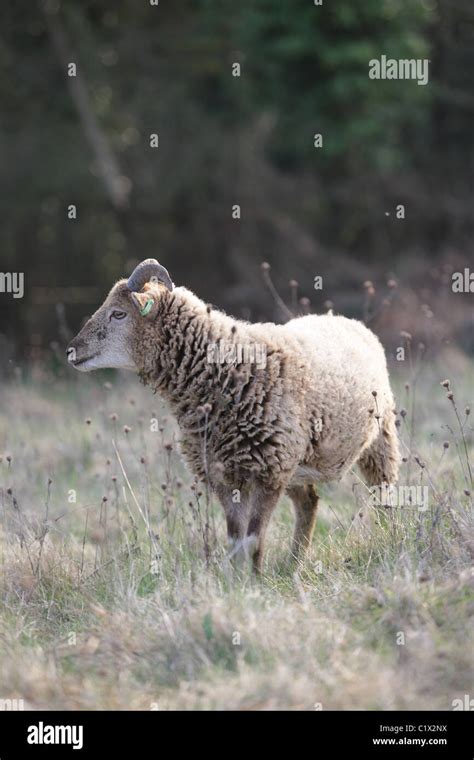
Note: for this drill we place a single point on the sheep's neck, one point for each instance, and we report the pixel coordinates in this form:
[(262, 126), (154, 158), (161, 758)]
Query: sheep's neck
[(187, 370)]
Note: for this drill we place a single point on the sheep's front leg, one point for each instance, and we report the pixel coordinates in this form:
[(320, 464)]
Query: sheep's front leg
[(305, 500), (247, 514), (236, 505), (263, 502)]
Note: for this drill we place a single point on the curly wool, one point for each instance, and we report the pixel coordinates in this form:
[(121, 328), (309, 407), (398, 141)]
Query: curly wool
[(321, 402)]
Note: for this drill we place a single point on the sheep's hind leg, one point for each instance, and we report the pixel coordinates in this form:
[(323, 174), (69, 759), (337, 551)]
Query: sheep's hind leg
[(305, 500)]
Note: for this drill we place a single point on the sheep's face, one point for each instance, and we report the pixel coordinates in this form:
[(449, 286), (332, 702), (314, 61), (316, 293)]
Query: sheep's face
[(109, 337)]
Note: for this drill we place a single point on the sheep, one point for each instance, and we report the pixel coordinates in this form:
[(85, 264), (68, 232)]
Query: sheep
[(263, 409)]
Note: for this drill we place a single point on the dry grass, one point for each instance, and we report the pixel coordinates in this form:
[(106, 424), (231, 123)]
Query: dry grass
[(130, 603)]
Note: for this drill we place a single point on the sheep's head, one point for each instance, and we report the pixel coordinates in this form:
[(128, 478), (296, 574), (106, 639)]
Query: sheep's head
[(109, 337)]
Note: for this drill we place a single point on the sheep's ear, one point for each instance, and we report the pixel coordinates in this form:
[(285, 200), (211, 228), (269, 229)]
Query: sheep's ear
[(143, 302)]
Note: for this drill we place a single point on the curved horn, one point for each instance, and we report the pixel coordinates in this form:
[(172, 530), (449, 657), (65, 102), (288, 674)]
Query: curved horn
[(148, 270)]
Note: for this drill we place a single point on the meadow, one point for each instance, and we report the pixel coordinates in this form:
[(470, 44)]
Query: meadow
[(116, 592)]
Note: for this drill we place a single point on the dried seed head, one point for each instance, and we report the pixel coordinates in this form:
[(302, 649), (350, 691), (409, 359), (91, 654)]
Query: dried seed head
[(293, 284), (126, 429), (142, 460), (233, 329), (445, 384), (9, 458), (368, 284), (265, 266), (403, 413), (374, 394), (445, 444), (169, 446), (114, 417), (114, 478), (164, 486), (397, 423), (104, 499), (467, 411), (207, 408), (88, 421), (392, 284), (450, 395), (405, 335), (467, 492)]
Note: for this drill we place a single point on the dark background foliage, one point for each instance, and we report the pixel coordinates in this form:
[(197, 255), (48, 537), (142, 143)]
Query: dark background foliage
[(227, 140)]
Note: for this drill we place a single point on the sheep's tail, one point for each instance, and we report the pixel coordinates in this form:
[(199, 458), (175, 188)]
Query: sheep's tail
[(380, 461)]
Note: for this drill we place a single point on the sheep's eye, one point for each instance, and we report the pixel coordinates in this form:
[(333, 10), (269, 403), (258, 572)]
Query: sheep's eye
[(118, 314)]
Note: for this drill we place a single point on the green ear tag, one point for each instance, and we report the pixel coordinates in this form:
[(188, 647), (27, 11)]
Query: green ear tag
[(147, 308)]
